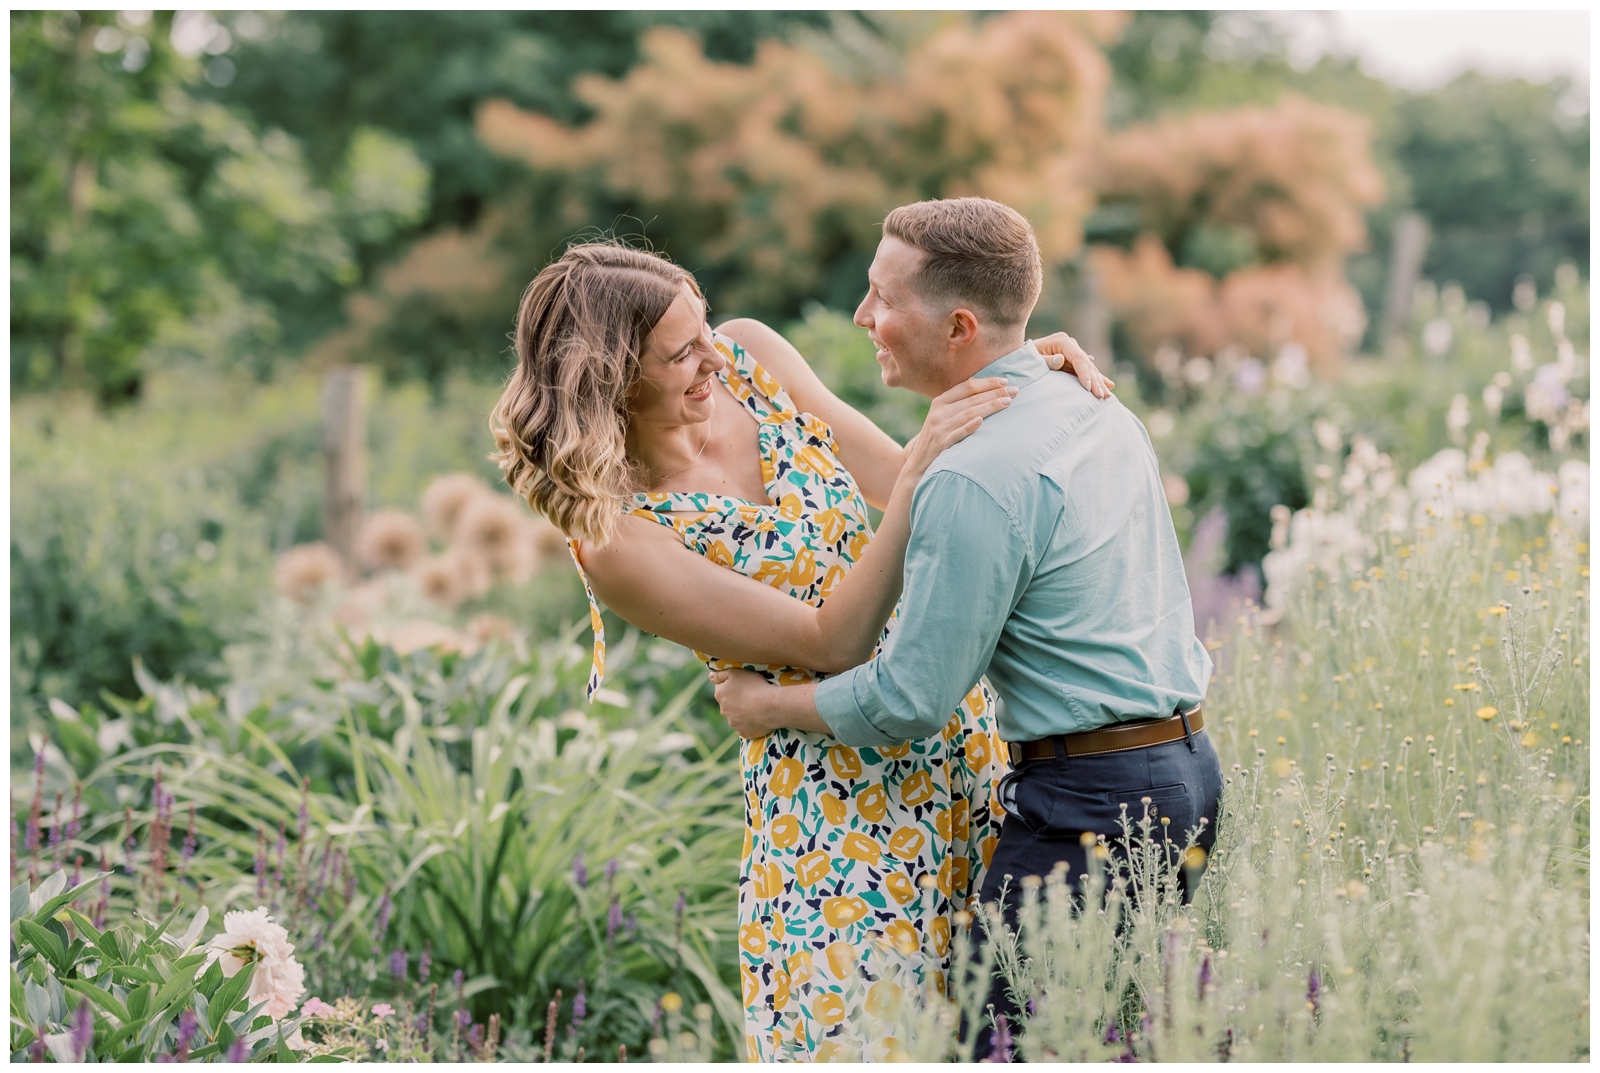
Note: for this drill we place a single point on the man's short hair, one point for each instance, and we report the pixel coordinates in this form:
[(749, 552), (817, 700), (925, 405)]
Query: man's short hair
[(978, 252)]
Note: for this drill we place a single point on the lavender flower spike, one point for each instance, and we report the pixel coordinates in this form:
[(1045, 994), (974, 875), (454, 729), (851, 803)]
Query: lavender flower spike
[(398, 961), (580, 872), (82, 1029), (1002, 1040)]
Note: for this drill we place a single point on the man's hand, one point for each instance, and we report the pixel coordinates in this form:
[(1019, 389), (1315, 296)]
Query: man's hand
[(755, 708)]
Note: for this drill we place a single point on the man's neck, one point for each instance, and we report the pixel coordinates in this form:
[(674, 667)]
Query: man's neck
[(979, 356)]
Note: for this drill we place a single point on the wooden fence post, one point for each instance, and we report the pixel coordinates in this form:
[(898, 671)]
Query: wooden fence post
[(1091, 320), (344, 447), (1405, 269)]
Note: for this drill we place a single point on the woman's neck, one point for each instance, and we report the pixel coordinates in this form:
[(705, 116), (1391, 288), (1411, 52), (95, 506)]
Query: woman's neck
[(665, 452)]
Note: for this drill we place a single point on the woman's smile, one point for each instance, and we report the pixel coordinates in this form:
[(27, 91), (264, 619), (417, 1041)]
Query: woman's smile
[(701, 391)]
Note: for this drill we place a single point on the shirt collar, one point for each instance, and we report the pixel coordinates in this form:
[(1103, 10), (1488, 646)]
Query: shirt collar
[(1021, 367)]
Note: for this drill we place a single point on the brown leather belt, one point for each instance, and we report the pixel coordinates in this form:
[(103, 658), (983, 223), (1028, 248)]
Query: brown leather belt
[(1112, 739)]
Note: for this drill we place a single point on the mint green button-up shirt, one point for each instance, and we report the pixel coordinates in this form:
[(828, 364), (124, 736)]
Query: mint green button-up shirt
[(1042, 554)]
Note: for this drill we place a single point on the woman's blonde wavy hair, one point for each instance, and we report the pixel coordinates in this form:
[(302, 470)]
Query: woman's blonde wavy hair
[(561, 423)]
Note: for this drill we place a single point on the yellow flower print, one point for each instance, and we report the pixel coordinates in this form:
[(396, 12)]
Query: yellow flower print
[(858, 847), (907, 842)]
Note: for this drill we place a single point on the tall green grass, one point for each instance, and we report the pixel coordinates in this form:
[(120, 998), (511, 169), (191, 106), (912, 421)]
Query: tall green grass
[(1403, 860)]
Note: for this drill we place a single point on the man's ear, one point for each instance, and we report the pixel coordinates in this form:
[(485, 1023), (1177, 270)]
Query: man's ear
[(962, 327)]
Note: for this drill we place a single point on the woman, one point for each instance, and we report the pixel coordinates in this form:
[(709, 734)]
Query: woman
[(715, 494)]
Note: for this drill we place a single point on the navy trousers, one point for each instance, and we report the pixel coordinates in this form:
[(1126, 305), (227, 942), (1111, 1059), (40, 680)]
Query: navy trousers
[(1051, 803)]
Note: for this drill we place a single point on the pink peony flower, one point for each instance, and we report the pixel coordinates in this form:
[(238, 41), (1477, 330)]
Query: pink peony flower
[(305, 569), (382, 1010), (444, 499), (391, 540), (252, 938)]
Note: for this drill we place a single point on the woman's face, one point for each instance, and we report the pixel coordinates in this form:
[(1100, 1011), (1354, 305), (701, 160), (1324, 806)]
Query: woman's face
[(676, 368)]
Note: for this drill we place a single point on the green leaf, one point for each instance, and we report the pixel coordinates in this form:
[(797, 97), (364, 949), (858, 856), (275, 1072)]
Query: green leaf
[(84, 925), (135, 974), (210, 980), (227, 997), (19, 900), (38, 1003), (44, 941), (53, 906), (139, 1001), (100, 997), (178, 985)]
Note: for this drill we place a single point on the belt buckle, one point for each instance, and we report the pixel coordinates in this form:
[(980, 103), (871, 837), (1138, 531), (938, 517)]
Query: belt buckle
[(1014, 753)]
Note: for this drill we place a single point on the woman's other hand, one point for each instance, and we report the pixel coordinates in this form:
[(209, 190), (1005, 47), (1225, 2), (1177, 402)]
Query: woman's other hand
[(1061, 350), (746, 701), (954, 416)]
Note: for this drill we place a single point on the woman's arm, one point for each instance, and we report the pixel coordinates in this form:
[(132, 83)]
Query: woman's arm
[(869, 453), (647, 576)]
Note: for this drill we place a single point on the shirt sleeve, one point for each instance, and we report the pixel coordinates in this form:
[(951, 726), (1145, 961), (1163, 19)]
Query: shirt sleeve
[(967, 564)]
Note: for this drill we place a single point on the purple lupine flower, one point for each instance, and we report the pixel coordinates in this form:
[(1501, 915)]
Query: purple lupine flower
[(421, 1024), (580, 1005), (322, 875), (32, 839), (1314, 992), (318, 939), (475, 1037), (191, 842), (381, 925), (188, 1025), (77, 873), (398, 962), (280, 850), (459, 978), (680, 905), (1205, 974), (82, 1029), (238, 1052), (55, 824), (425, 963), (463, 1017), (631, 925), (132, 843), (303, 817), (1112, 1034), (76, 824), (611, 870), (613, 919), (580, 873), (1001, 1051)]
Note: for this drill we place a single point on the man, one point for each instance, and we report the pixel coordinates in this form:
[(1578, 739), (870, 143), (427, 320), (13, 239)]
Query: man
[(1042, 554)]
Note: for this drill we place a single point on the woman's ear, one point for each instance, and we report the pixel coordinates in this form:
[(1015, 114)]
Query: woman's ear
[(963, 328)]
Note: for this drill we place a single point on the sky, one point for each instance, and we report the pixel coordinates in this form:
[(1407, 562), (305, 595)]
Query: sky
[(1424, 49)]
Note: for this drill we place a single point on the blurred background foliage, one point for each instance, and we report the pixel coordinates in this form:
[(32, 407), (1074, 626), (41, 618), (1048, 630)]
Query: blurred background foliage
[(252, 188), (211, 209)]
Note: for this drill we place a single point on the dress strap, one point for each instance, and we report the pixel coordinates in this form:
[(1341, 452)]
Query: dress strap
[(752, 385), (597, 664)]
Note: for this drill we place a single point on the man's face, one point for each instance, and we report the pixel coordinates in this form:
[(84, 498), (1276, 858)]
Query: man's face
[(910, 334)]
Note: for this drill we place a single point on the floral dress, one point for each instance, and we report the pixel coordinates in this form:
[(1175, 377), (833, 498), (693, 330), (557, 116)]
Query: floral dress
[(855, 860)]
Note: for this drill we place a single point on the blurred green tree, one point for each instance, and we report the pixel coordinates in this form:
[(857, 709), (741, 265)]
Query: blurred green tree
[(422, 74), (138, 210)]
